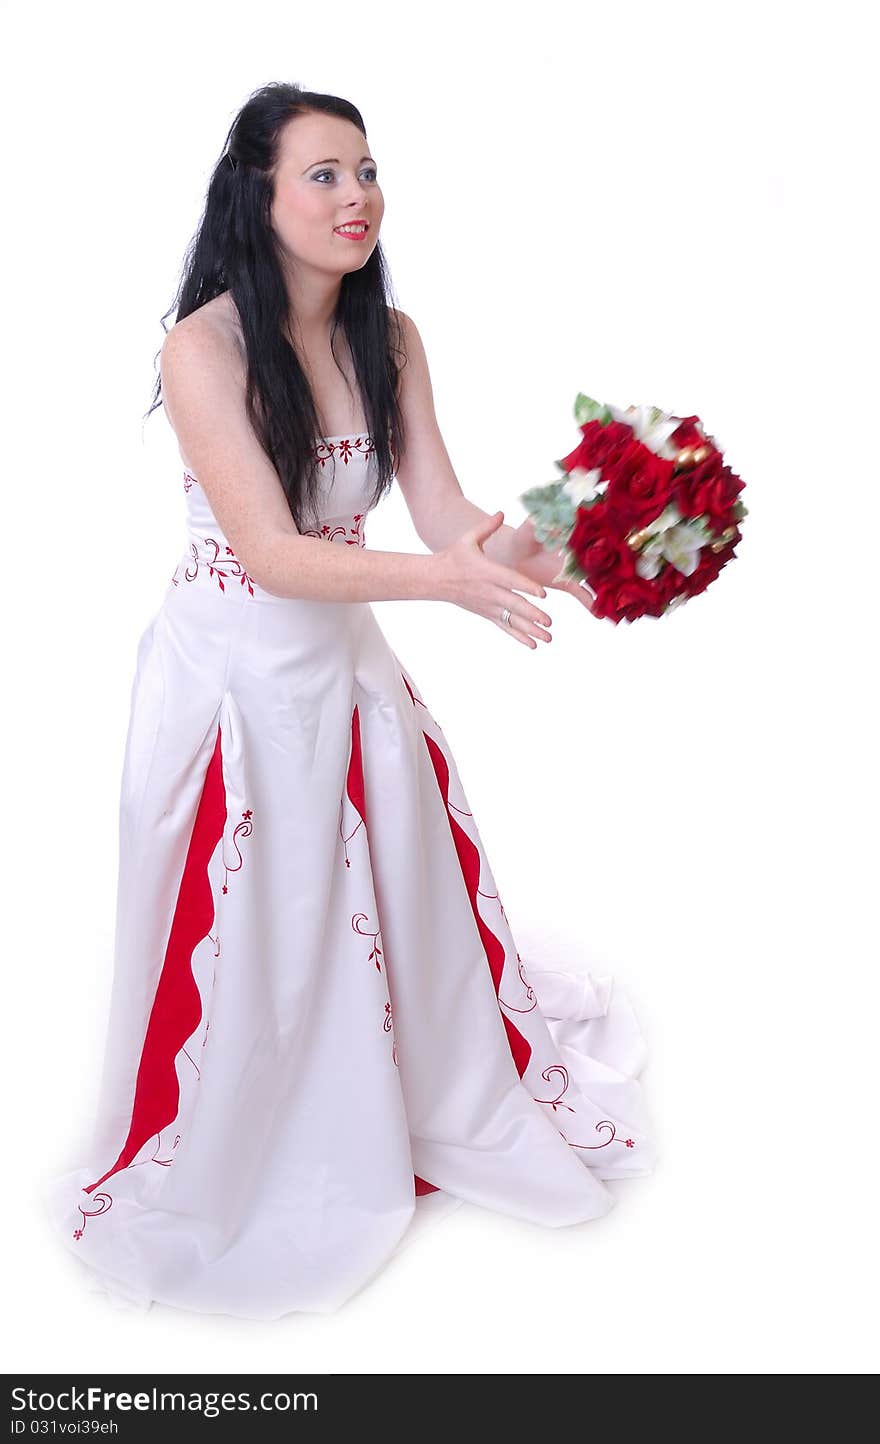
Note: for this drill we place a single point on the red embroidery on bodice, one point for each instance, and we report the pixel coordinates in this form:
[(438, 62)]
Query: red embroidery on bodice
[(352, 535), (344, 447), (336, 529), (231, 569)]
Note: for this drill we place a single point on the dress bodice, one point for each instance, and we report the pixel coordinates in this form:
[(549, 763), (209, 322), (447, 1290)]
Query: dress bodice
[(347, 477)]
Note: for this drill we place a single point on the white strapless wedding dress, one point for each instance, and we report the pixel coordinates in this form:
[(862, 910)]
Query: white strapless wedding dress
[(320, 1024)]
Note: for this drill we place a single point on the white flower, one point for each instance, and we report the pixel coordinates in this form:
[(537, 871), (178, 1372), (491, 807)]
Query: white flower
[(582, 485), (651, 426), (679, 545), (668, 518), (650, 559)]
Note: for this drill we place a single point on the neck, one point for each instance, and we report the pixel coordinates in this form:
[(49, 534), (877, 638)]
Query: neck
[(312, 298)]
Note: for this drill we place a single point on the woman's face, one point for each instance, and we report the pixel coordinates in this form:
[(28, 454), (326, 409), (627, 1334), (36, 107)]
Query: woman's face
[(326, 178)]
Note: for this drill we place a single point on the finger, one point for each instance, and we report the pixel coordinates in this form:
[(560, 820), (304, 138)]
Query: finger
[(509, 577), (533, 616), (531, 629), (581, 592), (515, 633), (525, 628)]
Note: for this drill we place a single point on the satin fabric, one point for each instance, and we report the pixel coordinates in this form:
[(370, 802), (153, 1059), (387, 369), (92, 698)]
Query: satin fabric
[(321, 1029)]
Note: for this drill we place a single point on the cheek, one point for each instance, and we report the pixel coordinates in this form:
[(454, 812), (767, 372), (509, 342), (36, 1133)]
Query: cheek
[(304, 216)]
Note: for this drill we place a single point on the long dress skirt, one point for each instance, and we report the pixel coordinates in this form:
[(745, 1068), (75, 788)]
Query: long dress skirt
[(320, 1024)]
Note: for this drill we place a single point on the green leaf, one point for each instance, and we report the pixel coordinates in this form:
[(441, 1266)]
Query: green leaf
[(571, 568), (552, 512), (586, 409)]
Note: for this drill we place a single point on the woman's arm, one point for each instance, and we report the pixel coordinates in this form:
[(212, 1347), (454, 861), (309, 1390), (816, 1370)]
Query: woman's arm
[(454, 515), (439, 509), (203, 386), (292, 565), (203, 383)]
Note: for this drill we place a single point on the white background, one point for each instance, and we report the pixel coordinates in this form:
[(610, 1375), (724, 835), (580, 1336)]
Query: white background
[(657, 203)]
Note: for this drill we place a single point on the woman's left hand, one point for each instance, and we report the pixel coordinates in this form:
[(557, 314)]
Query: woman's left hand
[(531, 557)]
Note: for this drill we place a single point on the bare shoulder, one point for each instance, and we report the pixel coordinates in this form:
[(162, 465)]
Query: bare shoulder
[(218, 318), (203, 366), (409, 335), (207, 342), (416, 391), (204, 388)]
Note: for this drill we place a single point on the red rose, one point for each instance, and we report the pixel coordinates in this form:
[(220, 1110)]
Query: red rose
[(693, 485), (715, 495), (688, 433), (670, 582), (710, 489), (601, 553), (709, 566), (598, 443), (628, 600), (590, 524), (639, 486), (606, 560)]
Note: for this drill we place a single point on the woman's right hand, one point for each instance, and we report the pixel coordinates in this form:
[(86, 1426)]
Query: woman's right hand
[(470, 579)]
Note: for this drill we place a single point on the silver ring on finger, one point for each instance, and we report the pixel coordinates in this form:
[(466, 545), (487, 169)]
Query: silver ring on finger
[(506, 616)]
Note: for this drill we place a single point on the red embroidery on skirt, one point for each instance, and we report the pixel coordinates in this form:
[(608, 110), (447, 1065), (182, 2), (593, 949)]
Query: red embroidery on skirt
[(105, 1201), (606, 1123), (557, 1101), (376, 950), (177, 1005), (530, 992), (389, 1028), (356, 791), (243, 828)]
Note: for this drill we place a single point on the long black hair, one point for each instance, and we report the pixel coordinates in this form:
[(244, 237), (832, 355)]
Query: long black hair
[(235, 249)]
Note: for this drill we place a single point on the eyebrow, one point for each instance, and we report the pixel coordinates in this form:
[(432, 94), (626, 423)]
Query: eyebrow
[(336, 161)]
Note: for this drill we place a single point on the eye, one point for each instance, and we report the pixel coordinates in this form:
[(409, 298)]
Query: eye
[(368, 170)]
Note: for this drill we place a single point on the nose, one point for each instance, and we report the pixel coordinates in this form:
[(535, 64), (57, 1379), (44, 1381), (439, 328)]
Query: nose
[(362, 190)]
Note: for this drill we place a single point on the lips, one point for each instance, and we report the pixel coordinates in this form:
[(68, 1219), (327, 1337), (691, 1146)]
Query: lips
[(362, 228)]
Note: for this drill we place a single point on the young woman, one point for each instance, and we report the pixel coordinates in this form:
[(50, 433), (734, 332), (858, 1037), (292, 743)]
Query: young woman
[(320, 1025)]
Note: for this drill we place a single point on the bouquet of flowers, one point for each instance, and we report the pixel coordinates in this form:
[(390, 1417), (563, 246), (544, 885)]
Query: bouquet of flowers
[(646, 513)]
